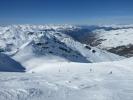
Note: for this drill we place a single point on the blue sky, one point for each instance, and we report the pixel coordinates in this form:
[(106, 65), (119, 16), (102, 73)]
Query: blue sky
[(66, 11)]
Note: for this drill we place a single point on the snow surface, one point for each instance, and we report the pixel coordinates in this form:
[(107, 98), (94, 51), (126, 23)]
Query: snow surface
[(69, 81), (114, 38), (7, 64), (42, 40)]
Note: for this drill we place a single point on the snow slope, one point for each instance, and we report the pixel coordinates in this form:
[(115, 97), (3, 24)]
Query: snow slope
[(49, 40), (69, 81), (115, 38), (7, 64), (87, 51)]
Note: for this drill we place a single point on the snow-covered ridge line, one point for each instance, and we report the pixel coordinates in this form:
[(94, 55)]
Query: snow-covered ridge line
[(36, 27), (46, 41)]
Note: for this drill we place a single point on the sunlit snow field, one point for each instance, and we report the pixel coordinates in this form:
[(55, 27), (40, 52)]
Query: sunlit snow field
[(69, 81)]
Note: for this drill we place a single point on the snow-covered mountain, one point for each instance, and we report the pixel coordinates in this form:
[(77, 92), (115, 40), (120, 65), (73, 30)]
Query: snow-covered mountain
[(59, 65), (25, 42), (118, 41), (113, 38)]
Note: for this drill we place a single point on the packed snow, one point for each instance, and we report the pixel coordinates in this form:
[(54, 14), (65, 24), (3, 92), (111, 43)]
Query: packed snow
[(69, 81)]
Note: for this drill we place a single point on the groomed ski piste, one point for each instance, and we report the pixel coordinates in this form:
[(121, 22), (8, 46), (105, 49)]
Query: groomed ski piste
[(42, 63)]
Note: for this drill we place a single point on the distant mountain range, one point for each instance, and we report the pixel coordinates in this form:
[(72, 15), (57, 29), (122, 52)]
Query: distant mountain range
[(73, 43)]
